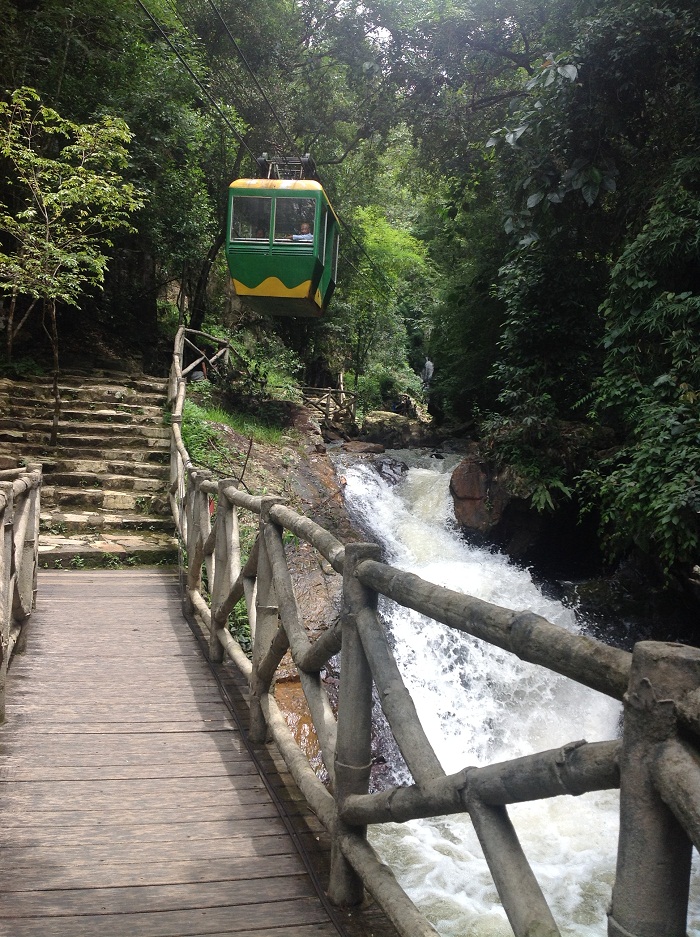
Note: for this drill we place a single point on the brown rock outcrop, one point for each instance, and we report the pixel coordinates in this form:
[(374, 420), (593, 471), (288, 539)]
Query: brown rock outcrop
[(394, 430), (495, 507), (479, 496)]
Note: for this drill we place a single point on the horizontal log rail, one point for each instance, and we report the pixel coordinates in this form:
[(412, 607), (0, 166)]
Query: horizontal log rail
[(19, 550), (655, 763)]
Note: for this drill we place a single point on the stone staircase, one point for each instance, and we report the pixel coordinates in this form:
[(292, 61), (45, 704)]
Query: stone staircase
[(105, 494)]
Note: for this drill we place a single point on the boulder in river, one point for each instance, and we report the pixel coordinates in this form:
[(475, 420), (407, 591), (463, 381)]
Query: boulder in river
[(396, 431), (355, 445), (494, 507), (391, 470)]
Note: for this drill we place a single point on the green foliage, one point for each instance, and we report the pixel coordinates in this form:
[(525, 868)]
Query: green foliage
[(249, 425), (650, 386), (549, 345), (239, 626), (535, 447), (66, 194), (201, 440), (466, 243), (22, 369), (112, 561), (205, 441), (380, 387)]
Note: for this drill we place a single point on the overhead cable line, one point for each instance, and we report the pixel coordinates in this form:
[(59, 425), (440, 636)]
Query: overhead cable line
[(232, 92), (376, 287), (252, 74), (346, 226), (196, 80), (287, 135)]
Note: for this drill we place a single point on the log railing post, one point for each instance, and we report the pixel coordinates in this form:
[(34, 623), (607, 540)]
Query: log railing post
[(225, 573), (354, 742), (176, 367), (27, 568), (6, 548), (193, 533), (198, 528), (266, 622), (650, 895), (176, 478)]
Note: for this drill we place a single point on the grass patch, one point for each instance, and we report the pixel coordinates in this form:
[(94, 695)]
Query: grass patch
[(206, 442), (197, 435), (246, 424), (196, 416)]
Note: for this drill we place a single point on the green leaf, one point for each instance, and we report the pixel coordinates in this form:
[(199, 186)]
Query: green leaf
[(535, 199), (590, 192), (568, 71)]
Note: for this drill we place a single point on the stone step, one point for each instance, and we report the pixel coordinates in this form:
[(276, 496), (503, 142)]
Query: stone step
[(89, 440), (31, 394), (148, 385), (105, 494), (106, 481), (22, 412), (106, 466), (88, 523), (47, 456), (90, 427), (85, 499), (107, 550)]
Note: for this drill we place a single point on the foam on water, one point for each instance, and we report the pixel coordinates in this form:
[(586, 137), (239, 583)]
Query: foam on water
[(479, 704)]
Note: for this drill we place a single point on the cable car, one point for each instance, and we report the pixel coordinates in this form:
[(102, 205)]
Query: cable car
[(282, 239)]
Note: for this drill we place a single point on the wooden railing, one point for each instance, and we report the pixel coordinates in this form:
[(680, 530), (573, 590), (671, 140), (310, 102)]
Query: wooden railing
[(331, 403), (19, 525), (656, 763)]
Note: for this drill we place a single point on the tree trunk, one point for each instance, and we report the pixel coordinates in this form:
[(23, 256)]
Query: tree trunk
[(199, 300), (56, 392)]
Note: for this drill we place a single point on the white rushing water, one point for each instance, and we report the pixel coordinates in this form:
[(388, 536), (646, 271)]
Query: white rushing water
[(479, 705)]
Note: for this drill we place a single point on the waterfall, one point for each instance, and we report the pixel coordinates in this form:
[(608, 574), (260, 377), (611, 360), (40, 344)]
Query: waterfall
[(478, 704)]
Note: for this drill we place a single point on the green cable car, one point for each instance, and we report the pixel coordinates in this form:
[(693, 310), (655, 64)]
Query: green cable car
[(282, 244)]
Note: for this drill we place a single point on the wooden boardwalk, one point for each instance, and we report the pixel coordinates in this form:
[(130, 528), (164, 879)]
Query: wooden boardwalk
[(129, 804)]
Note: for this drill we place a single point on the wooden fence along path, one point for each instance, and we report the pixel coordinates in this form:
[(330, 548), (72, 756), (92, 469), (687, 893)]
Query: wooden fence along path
[(655, 763), (129, 804), (330, 403)]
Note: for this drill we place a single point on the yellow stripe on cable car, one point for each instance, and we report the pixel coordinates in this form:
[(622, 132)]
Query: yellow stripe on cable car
[(307, 185), (273, 286)]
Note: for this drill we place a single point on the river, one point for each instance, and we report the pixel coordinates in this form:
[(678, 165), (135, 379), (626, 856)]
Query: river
[(478, 705)]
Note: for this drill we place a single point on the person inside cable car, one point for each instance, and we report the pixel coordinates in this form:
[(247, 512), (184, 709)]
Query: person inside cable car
[(305, 233)]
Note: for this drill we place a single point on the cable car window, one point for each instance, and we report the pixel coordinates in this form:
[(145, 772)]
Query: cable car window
[(294, 220), (250, 218)]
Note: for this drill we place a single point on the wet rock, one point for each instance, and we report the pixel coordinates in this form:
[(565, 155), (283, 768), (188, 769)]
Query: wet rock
[(634, 603), (362, 447), (480, 496), (391, 470), (397, 431), (494, 507)]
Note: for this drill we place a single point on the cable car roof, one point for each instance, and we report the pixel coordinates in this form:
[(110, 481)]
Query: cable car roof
[(302, 184)]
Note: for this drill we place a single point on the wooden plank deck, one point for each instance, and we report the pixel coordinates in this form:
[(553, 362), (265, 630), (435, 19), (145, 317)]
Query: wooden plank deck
[(129, 804)]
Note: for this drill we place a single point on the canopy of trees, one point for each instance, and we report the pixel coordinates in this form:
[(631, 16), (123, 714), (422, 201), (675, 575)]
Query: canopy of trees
[(520, 186)]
